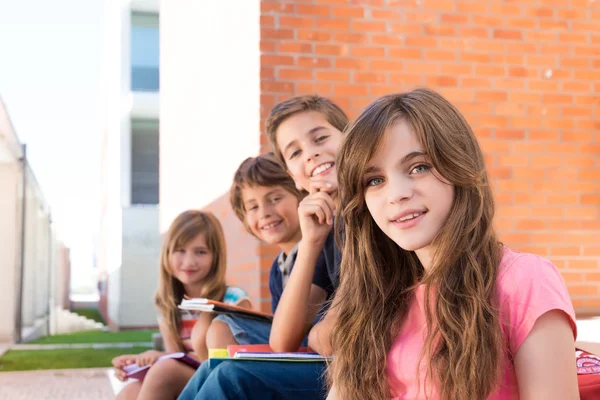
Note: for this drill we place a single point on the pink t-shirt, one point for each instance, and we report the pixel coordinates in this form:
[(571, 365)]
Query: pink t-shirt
[(528, 287)]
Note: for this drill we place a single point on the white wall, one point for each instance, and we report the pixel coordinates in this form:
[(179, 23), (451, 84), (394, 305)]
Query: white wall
[(139, 271), (9, 237), (210, 99)]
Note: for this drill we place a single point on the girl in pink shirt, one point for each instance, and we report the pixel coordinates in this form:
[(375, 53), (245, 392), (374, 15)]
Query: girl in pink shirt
[(430, 303)]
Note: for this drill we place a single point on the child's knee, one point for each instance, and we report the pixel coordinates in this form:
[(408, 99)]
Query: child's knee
[(164, 369), (219, 335)]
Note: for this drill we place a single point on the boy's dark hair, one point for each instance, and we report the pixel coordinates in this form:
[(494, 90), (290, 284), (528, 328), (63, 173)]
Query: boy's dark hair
[(263, 170), (290, 107)]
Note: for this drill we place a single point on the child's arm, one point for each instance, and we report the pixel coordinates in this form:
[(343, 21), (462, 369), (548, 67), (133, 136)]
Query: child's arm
[(301, 300), (198, 336), (545, 362), (170, 343), (319, 338)]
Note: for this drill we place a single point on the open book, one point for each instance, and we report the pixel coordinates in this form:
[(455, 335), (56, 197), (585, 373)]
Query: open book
[(208, 305), (262, 352), (135, 372)]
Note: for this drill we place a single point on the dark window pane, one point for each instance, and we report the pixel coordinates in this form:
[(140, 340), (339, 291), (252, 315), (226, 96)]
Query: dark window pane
[(144, 162)]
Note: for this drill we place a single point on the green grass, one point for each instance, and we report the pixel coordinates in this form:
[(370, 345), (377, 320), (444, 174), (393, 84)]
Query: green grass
[(27, 360), (90, 313), (97, 337)]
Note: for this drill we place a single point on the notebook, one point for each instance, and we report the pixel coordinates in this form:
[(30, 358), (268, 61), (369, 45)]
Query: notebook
[(135, 372), (207, 305)]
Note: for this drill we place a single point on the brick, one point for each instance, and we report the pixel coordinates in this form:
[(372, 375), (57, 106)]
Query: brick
[(522, 23), (295, 74), (286, 21), (267, 20), (315, 62), (421, 41), (422, 67), (369, 77), (442, 81), (495, 96), (280, 34), (505, 9), (440, 30), (510, 34), (333, 76), (511, 134), (279, 8), (457, 19), (323, 89), (386, 65), (406, 29), (331, 50), (350, 38), (387, 40), (333, 24), (388, 14), (539, 12), (294, 47), (369, 26), (489, 70), (348, 12), (313, 10), (474, 82), (275, 60), (474, 32), (405, 53), (313, 35), (367, 51), (475, 57), (583, 264)]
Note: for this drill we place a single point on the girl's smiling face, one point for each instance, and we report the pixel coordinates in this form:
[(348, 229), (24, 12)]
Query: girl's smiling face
[(191, 263), (406, 197)]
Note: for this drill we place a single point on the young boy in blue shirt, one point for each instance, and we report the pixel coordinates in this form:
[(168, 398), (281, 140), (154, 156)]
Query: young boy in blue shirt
[(305, 133), (265, 199)]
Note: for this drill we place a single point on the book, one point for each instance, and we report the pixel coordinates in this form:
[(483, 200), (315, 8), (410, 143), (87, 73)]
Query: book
[(290, 356), (262, 352), (207, 305), (233, 349), (136, 372)]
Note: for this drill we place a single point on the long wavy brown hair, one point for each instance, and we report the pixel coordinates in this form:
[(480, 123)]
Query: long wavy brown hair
[(463, 349), (187, 226)]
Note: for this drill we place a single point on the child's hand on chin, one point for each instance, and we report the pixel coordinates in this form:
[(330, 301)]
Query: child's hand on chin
[(316, 213)]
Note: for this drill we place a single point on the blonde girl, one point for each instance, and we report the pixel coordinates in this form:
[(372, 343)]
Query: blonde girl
[(192, 263)]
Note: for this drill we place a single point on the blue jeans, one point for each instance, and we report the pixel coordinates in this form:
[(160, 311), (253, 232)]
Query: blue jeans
[(249, 331), (246, 330), (257, 380)]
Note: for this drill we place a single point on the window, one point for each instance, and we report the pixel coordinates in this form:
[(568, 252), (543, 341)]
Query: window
[(144, 52), (144, 161)]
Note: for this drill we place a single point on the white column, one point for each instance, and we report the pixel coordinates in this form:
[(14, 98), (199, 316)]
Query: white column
[(210, 99)]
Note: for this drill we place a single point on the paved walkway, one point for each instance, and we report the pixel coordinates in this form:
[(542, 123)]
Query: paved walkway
[(64, 384)]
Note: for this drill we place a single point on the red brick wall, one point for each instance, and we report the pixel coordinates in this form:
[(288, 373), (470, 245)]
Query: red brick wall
[(526, 76)]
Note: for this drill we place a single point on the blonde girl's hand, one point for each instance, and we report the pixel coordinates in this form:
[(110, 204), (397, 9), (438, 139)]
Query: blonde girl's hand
[(147, 358), (120, 362)]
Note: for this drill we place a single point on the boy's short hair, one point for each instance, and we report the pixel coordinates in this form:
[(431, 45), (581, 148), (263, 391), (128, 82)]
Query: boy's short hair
[(263, 170), (290, 107)]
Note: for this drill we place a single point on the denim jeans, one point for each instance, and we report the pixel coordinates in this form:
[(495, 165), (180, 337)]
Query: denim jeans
[(257, 380)]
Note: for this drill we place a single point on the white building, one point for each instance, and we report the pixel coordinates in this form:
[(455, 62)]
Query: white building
[(129, 244), (31, 277)]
